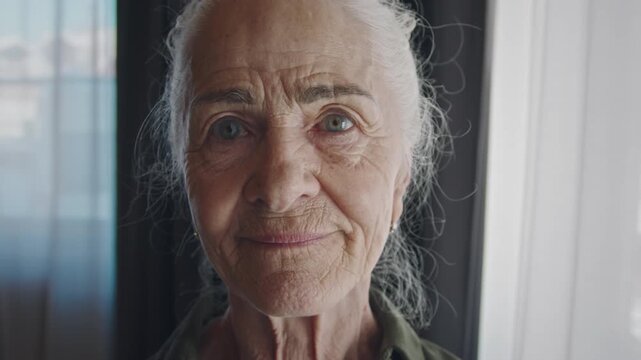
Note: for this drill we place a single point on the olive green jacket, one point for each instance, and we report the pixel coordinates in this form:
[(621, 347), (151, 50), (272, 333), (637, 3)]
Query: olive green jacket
[(400, 341)]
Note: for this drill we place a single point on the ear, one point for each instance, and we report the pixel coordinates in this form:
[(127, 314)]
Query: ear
[(401, 183)]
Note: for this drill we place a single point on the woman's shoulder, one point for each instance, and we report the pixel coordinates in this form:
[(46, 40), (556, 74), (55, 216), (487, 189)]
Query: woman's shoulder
[(184, 342), (400, 340), (435, 352), (409, 346)]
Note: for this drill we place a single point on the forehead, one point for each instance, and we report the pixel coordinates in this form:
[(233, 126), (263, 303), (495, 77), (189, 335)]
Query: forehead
[(303, 38)]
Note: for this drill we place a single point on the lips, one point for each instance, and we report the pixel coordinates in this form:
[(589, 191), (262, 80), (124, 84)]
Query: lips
[(285, 239)]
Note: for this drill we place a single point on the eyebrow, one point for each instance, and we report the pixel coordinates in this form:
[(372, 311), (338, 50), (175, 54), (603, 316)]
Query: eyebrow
[(226, 96), (320, 92), (305, 96)]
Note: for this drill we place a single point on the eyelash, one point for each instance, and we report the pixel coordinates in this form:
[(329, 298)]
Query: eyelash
[(337, 112), (316, 127), (211, 135)]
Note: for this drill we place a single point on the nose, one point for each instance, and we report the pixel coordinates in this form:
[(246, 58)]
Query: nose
[(284, 175)]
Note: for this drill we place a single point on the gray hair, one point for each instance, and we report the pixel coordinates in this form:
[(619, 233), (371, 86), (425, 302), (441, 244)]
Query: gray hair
[(400, 272)]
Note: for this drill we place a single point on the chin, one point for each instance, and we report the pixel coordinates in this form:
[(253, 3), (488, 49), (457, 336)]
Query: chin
[(293, 295)]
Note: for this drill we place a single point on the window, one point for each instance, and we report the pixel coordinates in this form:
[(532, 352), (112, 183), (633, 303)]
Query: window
[(562, 245), (57, 136)]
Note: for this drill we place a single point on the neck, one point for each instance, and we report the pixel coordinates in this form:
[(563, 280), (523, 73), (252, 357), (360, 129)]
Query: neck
[(346, 330)]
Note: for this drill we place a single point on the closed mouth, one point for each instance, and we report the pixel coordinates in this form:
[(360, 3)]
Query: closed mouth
[(284, 240)]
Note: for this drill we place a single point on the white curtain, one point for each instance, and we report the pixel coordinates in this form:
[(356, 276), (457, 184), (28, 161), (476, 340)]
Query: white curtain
[(57, 134), (562, 263)]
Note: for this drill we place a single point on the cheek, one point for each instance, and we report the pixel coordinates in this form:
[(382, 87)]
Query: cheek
[(213, 198), (363, 192)]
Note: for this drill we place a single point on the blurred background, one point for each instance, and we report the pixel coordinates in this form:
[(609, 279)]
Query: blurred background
[(57, 167), (536, 224)]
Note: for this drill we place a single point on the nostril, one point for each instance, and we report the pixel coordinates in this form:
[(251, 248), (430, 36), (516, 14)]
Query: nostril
[(280, 188)]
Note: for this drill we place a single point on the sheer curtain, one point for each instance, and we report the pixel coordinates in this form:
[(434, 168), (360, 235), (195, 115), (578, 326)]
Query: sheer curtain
[(562, 269), (56, 178)]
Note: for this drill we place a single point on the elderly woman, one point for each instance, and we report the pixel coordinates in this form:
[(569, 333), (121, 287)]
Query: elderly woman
[(296, 129)]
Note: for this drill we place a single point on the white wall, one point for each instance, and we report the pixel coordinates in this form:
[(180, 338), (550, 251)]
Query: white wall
[(562, 266)]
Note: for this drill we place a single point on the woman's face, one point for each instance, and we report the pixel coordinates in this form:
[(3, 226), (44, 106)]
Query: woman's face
[(295, 164)]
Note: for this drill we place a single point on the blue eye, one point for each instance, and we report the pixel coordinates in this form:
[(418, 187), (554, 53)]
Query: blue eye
[(336, 123), (228, 128)]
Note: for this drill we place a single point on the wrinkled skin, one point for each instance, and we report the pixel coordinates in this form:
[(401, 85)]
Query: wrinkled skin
[(293, 137)]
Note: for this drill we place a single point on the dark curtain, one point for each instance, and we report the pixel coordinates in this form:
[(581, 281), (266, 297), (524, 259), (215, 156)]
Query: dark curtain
[(156, 271), (457, 70), (151, 276)]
